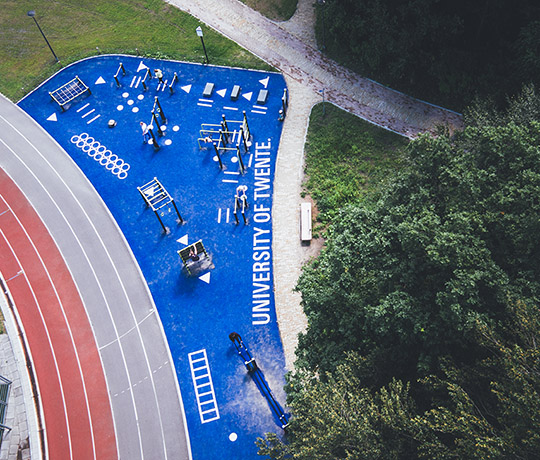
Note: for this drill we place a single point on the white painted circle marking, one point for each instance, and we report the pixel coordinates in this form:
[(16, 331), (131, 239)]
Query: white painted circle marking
[(163, 128), (176, 128), (140, 97), (233, 437), (215, 158), (234, 159), (120, 107), (125, 94), (168, 142), (130, 102), (135, 109)]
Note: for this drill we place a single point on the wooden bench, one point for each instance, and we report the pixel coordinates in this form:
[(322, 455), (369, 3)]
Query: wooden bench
[(235, 93), (263, 95), (208, 90), (305, 221)]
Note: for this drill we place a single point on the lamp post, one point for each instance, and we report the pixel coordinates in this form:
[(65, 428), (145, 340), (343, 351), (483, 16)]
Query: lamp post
[(200, 34), (322, 3), (32, 14)]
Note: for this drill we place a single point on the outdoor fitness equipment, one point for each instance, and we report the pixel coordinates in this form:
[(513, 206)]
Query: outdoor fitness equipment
[(186, 254), (220, 136), (147, 74), (173, 81), (122, 68), (155, 196), (258, 377), (240, 203), (68, 92)]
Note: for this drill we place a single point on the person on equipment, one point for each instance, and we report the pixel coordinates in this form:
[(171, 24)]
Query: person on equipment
[(145, 133), (241, 194), (193, 254), (159, 75)]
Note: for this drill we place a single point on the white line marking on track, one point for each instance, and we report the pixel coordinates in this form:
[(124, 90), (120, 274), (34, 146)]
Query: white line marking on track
[(236, 173), (138, 81), (204, 105), (230, 181), (51, 347), (230, 108), (258, 111), (228, 214), (133, 81), (219, 216), (250, 160), (260, 107)]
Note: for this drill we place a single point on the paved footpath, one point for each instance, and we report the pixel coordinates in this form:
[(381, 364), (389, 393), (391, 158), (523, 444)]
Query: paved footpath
[(295, 55)]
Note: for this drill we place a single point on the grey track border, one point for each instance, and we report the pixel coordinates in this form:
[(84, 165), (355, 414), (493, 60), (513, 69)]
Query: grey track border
[(143, 389)]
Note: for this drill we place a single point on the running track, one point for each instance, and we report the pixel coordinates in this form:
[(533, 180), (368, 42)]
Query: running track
[(76, 410), (121, 322)]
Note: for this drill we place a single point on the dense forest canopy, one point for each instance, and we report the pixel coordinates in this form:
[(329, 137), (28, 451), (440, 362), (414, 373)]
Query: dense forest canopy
[(441, 51), (423, 319)]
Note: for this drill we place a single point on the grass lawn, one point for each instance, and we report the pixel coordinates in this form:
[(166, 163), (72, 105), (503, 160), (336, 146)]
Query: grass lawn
[(346, 158), (279, 10), (74, 28)]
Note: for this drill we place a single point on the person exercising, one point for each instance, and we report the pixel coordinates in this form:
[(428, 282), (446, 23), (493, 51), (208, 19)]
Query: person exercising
[(193, 254)]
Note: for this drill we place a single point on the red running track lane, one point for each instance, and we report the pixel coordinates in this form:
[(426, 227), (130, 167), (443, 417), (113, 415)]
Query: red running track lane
[(74, 397)]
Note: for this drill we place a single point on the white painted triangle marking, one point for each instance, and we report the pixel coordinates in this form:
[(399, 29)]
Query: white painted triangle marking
[(99, 81), (247, 96), (52, 117), (205, 278), (264, 81), (142, 66), (186, 88), (222, 92), (183, 240)]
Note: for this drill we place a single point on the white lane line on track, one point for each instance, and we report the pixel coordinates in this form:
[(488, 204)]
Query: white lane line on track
[(124, 290), (50, 343)]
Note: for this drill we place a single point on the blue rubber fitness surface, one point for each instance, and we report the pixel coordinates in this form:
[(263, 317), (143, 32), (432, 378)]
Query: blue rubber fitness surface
[(232, 290)]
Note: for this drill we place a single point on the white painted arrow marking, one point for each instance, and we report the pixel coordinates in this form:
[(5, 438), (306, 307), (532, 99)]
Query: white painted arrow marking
[(205, 278), (99, 81), (52, 117), (142, 66), (264, 81), (184, 240), (186, 88), (222, 92), (247, 96)]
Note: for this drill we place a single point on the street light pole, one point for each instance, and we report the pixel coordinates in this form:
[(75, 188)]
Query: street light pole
[(32, 14), (200, 34)]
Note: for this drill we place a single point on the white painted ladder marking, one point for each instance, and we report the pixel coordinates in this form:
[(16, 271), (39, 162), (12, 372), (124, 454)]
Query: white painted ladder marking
[(204, 389)]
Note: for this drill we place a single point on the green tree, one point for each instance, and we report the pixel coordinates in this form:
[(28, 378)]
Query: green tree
[(337, 417), (407, 277)]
